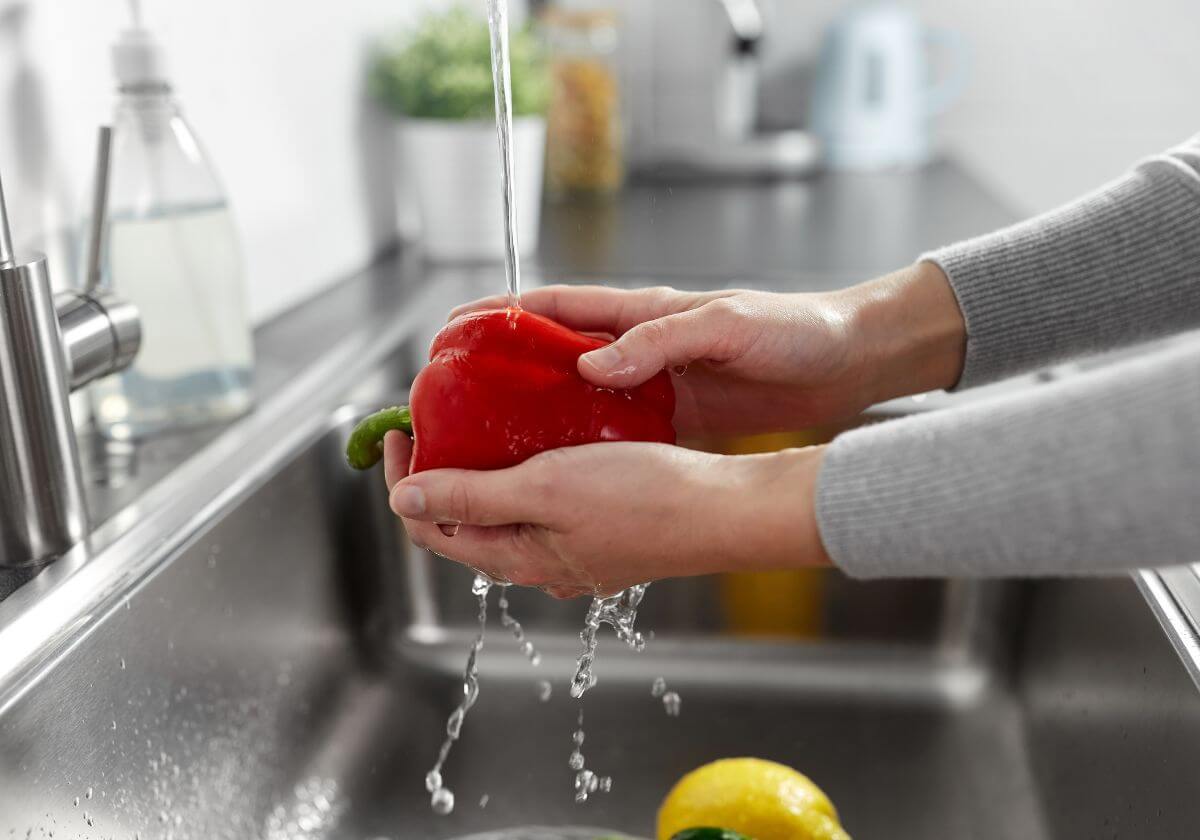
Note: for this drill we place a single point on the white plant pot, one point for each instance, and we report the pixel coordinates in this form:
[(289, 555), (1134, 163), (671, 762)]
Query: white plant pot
[(452, 168)]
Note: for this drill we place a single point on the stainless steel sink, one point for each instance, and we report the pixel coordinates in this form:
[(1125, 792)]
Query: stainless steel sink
[(252, 649)]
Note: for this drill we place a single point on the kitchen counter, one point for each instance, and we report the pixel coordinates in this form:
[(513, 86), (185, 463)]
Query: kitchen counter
[(821, 233)]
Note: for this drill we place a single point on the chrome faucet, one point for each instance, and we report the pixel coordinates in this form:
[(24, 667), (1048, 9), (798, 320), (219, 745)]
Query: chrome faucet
[(737, 91), (50, 345), (725, 136)]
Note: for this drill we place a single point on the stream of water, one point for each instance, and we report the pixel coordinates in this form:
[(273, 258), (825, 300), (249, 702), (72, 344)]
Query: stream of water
[(502, 83)]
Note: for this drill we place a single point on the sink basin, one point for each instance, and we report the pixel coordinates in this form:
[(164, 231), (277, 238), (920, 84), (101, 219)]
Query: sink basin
[(258, 651)]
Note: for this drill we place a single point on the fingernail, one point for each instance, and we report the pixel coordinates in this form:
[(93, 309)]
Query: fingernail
[(605, 360), (449, 529), (408, 500)]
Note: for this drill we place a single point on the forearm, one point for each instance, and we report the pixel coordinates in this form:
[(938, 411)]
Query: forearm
[(1094, 474), (1118, 266)]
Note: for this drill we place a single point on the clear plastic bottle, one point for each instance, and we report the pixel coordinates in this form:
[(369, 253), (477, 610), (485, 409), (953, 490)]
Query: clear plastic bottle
[(172, 250)]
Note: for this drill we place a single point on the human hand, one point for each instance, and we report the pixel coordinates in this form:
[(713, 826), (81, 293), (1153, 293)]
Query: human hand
[(748, 362), (596, 519)]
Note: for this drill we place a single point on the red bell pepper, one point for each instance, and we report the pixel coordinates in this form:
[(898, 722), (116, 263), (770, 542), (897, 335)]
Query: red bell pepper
[(502, 385)]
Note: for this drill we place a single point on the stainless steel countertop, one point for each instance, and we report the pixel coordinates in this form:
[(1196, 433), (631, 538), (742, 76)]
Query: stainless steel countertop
[(826, 232)]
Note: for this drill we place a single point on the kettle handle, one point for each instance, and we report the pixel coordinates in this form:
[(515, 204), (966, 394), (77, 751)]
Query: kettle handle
[(941, 94)]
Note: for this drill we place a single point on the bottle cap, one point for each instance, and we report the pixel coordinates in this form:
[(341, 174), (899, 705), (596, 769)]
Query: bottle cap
[(138, 58)]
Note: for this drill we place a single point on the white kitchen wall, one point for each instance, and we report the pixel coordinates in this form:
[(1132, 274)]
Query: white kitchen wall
[(1067, 93), (275, 91), (1064, 94)]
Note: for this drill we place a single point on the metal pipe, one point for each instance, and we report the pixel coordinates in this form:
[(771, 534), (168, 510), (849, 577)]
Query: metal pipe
[(99, 209), (6, 247), (42, 505)]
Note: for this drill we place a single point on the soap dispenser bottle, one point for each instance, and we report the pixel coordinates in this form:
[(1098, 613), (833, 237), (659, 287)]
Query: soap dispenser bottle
[(172, 249)]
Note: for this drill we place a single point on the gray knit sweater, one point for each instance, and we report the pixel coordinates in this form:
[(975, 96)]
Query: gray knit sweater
[(1095, 473)]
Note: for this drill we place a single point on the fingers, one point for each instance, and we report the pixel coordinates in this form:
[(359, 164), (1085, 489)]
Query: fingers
[(596, 308), (494, 497), (647, 348), (397, 453), (502, 552)]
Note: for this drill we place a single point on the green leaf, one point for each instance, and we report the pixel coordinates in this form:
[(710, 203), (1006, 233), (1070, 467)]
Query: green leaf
[(442, 69)]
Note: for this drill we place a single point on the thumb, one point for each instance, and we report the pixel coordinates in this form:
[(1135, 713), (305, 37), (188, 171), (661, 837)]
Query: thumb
[(653, 345)]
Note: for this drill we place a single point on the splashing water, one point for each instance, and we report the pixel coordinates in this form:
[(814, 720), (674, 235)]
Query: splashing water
[(586, 781), (507, 620), (502, 83), (619, 612), (670, 699), (441, 798)]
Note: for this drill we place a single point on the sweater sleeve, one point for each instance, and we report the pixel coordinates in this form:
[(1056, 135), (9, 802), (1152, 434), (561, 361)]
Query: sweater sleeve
[(1119, 266), (1092, 474)]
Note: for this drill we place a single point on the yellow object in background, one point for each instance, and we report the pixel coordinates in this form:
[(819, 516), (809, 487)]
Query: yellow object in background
[(585, 136), (787, 603), (760, 799), (790, 603)]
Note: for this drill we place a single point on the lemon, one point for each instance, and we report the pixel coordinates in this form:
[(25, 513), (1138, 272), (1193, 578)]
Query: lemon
[(760, 799)]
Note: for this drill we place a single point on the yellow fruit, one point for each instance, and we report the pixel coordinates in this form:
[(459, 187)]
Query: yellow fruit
[(760, 799)]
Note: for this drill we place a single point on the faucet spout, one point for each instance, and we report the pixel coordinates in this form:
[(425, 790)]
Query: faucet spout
[(746, 20)]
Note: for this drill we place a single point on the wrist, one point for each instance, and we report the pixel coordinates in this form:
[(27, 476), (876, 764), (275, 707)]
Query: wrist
[(776, 525), (912, 329)]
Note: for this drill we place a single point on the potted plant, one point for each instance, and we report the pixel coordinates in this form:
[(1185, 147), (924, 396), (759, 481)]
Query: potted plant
[(437, 81)]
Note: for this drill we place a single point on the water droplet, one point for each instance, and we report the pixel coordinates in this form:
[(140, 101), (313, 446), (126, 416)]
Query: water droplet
[(76, 802), (122, 663), (114, 726), (585, 785), (545, 690), (578, 737), (87, 793), (680, 370), (671, 703), (483, 801), (454, 724), (659, 688), (442, 801), (433, 780), (576, 762)]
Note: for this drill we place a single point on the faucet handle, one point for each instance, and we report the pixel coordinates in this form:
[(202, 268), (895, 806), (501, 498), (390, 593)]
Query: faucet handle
[(99, 209)]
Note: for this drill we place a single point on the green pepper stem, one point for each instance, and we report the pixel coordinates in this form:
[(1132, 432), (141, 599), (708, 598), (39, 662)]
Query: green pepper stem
[(365, 447)]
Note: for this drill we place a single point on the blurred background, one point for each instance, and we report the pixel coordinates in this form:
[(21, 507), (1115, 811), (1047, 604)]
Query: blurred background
[(1060, 96), (266, 159)]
